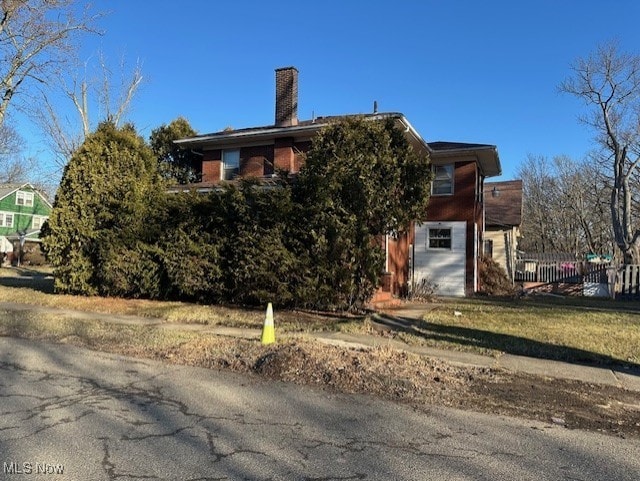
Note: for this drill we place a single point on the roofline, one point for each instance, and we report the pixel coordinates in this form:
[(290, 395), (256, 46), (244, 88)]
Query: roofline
[(243, 136), (20, 186), (300, 131), (480, 151)]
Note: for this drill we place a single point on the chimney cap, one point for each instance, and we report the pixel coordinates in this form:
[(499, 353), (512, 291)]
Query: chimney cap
[(287, 68)]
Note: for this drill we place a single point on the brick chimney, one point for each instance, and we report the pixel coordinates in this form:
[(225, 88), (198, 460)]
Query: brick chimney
[(286, 97)]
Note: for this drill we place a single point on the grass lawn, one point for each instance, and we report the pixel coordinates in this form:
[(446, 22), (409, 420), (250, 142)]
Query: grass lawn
[(574, 330)]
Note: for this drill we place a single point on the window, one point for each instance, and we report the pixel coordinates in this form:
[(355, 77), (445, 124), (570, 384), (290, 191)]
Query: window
[(37, 221), (439, 239), (442, 180), (6, 219), (488, 247), (24, 198), (230, 163)]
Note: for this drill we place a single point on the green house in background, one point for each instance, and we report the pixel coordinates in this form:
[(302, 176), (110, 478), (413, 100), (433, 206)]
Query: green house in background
[(23, 210)]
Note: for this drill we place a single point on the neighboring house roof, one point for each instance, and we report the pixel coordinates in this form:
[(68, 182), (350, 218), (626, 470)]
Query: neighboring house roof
[(31, 235), (8, 189), (503, 206)]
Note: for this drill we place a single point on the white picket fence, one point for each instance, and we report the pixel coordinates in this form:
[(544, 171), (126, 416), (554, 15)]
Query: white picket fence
[(619, 282)]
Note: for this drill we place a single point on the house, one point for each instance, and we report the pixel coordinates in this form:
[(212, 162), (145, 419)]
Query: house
[(444, 249), (23, 210), (503, 216), (448, 246)]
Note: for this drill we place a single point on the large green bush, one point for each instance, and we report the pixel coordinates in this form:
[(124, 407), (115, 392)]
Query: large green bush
[(108, 192), (311, 242), (361, 180)]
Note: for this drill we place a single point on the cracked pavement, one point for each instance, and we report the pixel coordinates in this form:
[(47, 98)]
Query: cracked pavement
[(110, 417)]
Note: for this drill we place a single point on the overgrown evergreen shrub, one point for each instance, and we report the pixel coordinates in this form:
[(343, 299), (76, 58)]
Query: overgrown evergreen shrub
[(107, 193), (130, 271), (312, 242), (254, 224)]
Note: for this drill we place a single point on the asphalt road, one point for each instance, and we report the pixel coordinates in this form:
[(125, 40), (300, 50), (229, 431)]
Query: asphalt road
[(107, 417)]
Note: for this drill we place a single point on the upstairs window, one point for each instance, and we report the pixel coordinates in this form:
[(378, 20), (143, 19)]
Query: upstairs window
[(439, 239), (6, 219), (230, 163), (37, 221), (24, 198), (442, 180)]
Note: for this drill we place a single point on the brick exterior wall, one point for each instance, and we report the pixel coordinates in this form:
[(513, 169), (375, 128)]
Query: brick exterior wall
[(399, 253), (256, 161), (283, 156), (211, 165), (461, 206)]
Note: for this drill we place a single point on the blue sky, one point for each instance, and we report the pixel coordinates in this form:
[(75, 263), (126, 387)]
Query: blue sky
[(466, 71)]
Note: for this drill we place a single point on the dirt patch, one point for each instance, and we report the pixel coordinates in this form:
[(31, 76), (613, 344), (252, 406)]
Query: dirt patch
[(415, 380)]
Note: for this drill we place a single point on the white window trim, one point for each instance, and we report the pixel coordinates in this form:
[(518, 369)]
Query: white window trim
[(3, 219), (224, 170), (27, 198), (452, 169), (41, 218)]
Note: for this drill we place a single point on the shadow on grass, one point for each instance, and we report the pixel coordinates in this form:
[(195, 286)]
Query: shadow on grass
[(506, 343), (26, 278)]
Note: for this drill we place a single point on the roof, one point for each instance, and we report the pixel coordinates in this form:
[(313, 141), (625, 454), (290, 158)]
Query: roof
[(504, 207), (30, 234), (487, 155), (304, 130), (10, 188)]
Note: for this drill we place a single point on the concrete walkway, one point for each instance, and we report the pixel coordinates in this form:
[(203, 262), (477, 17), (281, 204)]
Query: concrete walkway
[(391, 320)]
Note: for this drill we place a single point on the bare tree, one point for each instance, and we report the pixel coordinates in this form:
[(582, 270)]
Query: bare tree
[(14, 166), (36, 41), (608, 81), (108, 95), (564, 207)]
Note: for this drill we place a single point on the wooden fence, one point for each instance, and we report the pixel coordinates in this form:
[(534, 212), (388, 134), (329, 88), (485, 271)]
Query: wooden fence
[(628, 281), (583, 277)]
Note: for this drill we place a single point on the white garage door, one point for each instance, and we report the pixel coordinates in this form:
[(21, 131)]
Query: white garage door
[(440, 256)]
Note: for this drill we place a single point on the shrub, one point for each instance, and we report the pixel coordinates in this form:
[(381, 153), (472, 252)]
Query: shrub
[(493, 279)]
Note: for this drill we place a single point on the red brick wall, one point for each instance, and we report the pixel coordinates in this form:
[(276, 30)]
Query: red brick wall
[(300, 150), (256, 161), (462, 205), (399, 261), (283, 158), (211, 165)]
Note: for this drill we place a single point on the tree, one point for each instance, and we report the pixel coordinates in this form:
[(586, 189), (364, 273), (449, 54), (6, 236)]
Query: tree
[(563, 207), (13, 167), (101, 213), (608, 81), (361, 180), (110, 98), (176, 163), (36, 41)]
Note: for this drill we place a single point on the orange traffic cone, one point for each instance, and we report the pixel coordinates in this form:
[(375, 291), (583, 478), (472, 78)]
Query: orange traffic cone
[(268, 330)]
